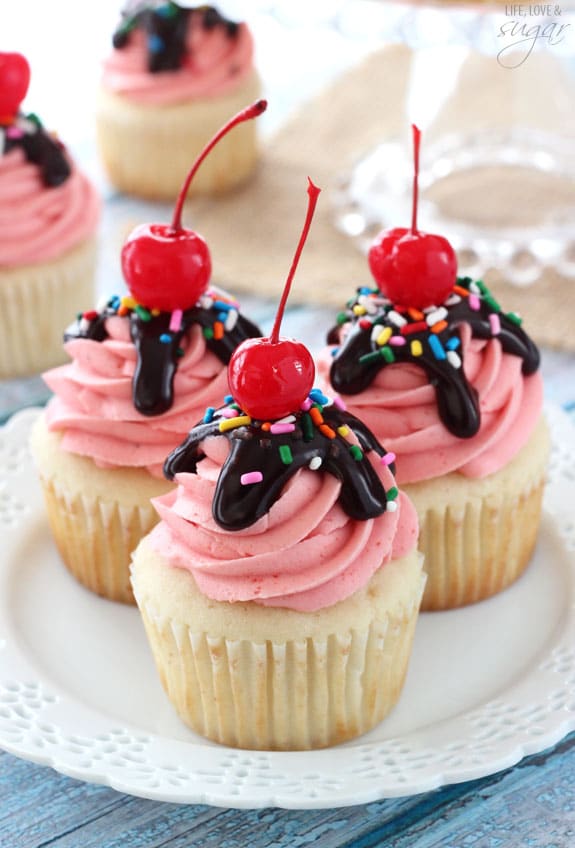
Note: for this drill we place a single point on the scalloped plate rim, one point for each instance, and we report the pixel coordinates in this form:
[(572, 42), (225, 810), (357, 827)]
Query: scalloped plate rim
[(505, 756)]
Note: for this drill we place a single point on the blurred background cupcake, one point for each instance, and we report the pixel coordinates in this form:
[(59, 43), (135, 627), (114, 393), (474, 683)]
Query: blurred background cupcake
[(174, 75), (48, 219)]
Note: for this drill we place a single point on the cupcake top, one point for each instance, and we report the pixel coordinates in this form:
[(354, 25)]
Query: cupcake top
[(265, 455), (164, 53), (139, 376), (431, 361), (295, 513), (47, 206), (454, 385)]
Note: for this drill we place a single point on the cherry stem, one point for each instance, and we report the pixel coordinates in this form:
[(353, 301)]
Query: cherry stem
[(416, 139), (313, 194), (245, 115)]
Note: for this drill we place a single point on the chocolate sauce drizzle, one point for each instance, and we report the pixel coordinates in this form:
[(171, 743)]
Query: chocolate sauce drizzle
[(166, 26), (159, 348), (40, 148), (278, 456), (429, 339)]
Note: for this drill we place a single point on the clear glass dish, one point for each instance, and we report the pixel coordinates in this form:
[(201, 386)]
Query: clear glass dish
[(498, 152)]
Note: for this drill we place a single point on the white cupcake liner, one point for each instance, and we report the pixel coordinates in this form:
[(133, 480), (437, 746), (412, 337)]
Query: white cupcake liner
[(477, 534), (477, 548), (36, 303), (294, 694), (96, 538)]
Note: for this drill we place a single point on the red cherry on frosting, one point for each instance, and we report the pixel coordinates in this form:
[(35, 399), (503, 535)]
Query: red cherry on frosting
[(413, 268), (167, 266), (166, 269), (14, 82), (271, 377), (270, 380)]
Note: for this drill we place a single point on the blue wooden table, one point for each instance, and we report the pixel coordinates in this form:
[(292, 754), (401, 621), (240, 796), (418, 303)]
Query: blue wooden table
[(532, 804)]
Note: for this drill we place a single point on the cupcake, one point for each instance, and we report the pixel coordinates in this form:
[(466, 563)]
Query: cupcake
[(450, 381), (172, 78), (280, 589), (142, 368), (48, 220)]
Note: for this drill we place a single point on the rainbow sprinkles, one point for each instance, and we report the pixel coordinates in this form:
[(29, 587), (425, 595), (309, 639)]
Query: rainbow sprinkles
[(158, 337), (373, 332), (264, 455)]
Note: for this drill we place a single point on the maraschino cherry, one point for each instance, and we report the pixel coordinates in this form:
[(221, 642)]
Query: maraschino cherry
[(167, 266), (271, 377), (14, 82), (413, 268)]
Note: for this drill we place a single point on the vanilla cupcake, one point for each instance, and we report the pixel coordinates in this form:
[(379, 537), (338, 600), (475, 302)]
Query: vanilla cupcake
[(49, 215), (455, 391), (174, 75), (281, 588), (143, 367)]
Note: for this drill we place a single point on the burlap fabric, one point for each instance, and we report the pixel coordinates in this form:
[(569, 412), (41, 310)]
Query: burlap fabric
[(256, 228)]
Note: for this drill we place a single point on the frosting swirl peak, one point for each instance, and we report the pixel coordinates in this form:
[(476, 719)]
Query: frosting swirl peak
[(305, 553), (449, 388)]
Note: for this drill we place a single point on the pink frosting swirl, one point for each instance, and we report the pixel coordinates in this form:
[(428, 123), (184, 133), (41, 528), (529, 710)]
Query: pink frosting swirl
[(93, 400), (305, 554), (38, 223), (215, 64), (400, 407)]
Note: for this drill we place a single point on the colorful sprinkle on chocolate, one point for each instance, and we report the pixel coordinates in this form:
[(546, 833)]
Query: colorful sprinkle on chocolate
[(278, 427), (356, 452), (269, 454), (232, 423), (251, 477), (286, 454), (159, 339), (429, 338)]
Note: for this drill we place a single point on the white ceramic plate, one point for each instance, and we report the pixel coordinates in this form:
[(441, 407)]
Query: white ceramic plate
[(78, 691)]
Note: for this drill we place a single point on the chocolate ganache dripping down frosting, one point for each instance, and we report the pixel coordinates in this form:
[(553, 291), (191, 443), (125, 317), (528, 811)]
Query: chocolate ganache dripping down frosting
[(265, 455), (382, 333), (39, 147), (166, 26), (157, 337)]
